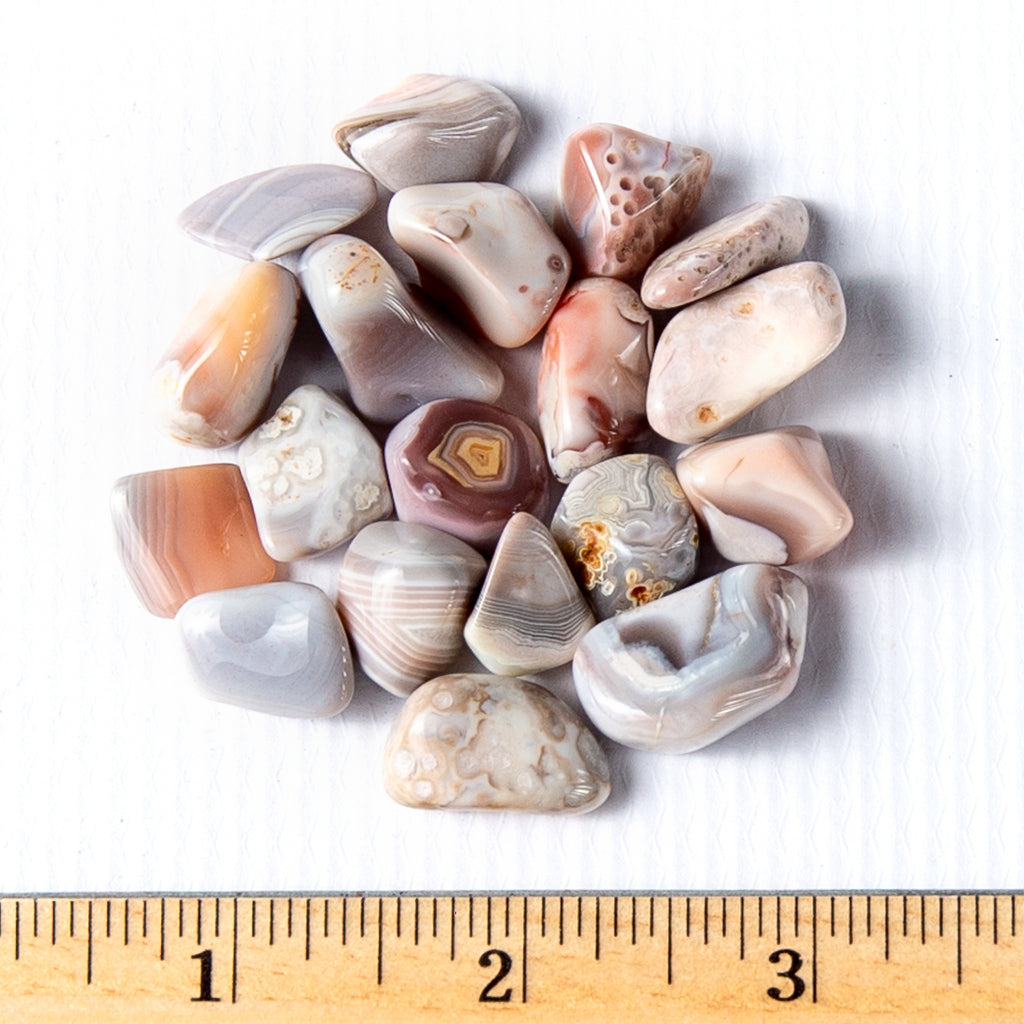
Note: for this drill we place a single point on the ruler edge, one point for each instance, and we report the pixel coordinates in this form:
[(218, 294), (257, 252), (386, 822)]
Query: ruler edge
[(73, 894)]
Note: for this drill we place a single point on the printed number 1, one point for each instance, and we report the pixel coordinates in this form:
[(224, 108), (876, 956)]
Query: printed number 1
[(205, 978)]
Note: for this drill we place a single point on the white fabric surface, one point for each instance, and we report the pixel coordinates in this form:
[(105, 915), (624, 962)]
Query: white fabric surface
[(898, 760)]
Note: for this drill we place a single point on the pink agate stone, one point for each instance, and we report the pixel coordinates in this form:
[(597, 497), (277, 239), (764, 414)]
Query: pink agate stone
[(466, 468), (625, 196), (592, 383), (767, 497)]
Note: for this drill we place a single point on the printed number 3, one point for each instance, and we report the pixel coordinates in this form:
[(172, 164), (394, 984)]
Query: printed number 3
[(795, 963)]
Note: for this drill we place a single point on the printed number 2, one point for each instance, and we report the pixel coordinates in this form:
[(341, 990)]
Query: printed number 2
[(795, 963), (505, 965)]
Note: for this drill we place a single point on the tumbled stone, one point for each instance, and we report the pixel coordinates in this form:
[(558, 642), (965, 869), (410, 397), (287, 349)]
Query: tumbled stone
[(404, 592), (684, 671), (278, 648), (624, 196), (484, 250), (186, 531), (489, 742), (767, 497), (397, 352), (465, 468), (215, 380), (719, 358), (431, 128), (592, 381), (269, 214), (315, 474), (627, 532), (756, 238), (530, 615)]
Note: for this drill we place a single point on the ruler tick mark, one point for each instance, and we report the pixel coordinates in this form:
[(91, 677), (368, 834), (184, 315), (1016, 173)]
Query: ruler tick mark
[(53, 922), (995, 920), (452, 939), (597, 928), (216, 918), (71, 919), (977, 915), (88, 970), (252, 915), (163, 927), (17, 929), (561, 920), (234, 949), (489, 913), (416, 921), (867, 919), (742, 928), (543, 916), (108, 919), (942, 907), (705, 920), (181, 919), (796, 917), (832, 916), (650, 918), (199, 921), (959, 945), (471, 917), (507, 914), (723, 916), (760, 917), (923, 906), (904, 917), (615, 916), (271, 927), (687, 916), (289, 917), (435, 918), (886, 928), (778, 919), (35, 918), (850, 919), (525, 925), (579, 916), (380, 940), (362, 917), (145, 919), (398, 917), (669, 943), (814, 949), (308, 937)]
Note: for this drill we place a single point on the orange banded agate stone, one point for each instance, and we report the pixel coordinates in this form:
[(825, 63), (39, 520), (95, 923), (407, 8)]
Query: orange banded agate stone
[(186, 531)]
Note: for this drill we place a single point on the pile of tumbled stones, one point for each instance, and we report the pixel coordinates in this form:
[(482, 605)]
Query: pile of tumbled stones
[(448, 541)]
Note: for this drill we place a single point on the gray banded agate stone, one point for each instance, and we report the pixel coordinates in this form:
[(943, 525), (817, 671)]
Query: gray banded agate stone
[(684, 671), (484, 742)]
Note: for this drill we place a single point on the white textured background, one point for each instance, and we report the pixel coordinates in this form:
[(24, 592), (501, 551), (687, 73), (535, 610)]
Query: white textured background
[(897, 762)]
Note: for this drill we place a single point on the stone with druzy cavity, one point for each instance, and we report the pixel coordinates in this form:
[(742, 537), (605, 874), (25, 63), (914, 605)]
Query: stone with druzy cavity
[(495, 743), (185, 531), (279, 648), (466, 468), (749, 241), (684, 671), (592, 381), (768, 497), (627, 532), (530, 615), (397, 351), (720, 357), (315, 474), (215, 380), (624, 196), (483, 250), (431, 128), (275, 212), (404, 593)]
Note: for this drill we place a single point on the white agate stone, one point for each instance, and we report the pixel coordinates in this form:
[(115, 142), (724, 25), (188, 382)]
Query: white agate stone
[(485, 249), (490, 742), (315, 474), (431, 128), (684, 671), (404, 592), (767, 497), (396, 351), (530, 615), (278, 647), (718, 358)]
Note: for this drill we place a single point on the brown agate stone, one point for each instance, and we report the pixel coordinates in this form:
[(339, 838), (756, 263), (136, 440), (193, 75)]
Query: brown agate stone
[(187, 531)]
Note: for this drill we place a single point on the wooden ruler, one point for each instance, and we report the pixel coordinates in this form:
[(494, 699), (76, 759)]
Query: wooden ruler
[(593, 957)]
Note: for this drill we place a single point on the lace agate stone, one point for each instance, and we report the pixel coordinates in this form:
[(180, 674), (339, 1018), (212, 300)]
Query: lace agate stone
[(627, 532), (488, 742), (466, 468), (278, 648), (431, 128), (315, 474), (624, 196), (684, 671)]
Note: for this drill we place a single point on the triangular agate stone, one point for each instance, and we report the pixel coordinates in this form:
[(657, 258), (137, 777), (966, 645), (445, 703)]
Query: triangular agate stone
[(530, 615)]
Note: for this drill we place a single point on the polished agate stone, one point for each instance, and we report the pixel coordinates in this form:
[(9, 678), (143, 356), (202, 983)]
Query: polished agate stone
[(719, 358), (315, 474), (466, 468), (684, 671), (431, 128), (279, 648), (592, 382), (185, 531), (404, 592), (492, 742), (274, 212), (756, 238), (624, 196), (397, 352), (530, 615), (484, 250), (215, 379), (627, 532), (767, 497)]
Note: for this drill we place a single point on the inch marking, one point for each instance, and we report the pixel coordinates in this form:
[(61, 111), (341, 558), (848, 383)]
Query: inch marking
[(525, 926), (234, 949), (814, 949)]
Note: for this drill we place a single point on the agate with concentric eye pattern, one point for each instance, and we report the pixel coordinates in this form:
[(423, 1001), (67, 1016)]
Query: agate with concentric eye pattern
[(592, 381), (185, 531), (627, 532), (625, 196), (497, 743), (466, 468), (431, 128), (679, 674), (278, 648)]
